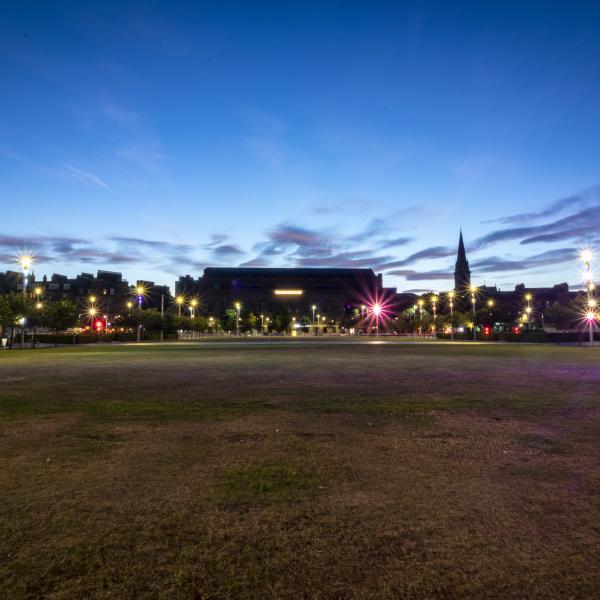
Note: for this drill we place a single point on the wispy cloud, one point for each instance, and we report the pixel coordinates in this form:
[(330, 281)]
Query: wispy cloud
[(501, 264), (88, 176), (582, 199), (411, 275)]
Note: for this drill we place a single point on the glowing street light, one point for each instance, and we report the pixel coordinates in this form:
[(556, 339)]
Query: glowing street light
[(92, 311), (25, 261), (434, 300), (179, 300), (313, 307), (451, 295), (587, 256), (238, 308), (193, 305), (473, 289), (376, 309)]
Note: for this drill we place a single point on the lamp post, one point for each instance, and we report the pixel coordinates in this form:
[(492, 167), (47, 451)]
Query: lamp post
[(313, 307), (140, 290), (473, 290), (92, 312), (587, 256), (451, 295), (238, 308), (25, 261), (179, 300), (377, 312), (434, 301), (193, 305)]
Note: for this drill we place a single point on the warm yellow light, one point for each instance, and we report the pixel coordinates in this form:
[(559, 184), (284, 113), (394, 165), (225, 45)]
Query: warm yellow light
[(25, 260), (323, 318), (179, 299), (288, 292), (92, 311), (92, 299), (140, 290), (38, 291), (590, 315), (129, 304), (473, 288), (420, 302), (528, 297), (39, 305), (528, 310), (434, 299), (490, 303), (237, 306), (592, 303), (193, 302), (451, 294)]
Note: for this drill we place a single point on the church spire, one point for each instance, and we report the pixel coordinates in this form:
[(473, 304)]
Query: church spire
[(462, 273)]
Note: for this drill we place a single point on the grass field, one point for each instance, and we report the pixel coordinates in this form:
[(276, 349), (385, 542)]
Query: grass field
[(291, 471)]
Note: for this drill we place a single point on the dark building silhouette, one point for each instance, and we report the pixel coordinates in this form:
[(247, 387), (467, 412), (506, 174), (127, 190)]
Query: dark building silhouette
[(334, 292), (462, 273)]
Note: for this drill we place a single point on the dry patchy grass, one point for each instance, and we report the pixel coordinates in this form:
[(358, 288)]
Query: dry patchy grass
[(288, 472)]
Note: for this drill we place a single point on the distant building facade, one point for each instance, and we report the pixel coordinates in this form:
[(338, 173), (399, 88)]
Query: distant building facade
[(111, 291), (334, 292)]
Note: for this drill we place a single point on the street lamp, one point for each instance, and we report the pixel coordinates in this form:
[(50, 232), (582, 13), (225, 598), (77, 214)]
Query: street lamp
[(25, 262), (179, 300), (376, 309), (451, 295), (92, 312), (238, 308), (434, 301), (473, 289), (587, 257), (313, 307), (140, 291), (193, 305)]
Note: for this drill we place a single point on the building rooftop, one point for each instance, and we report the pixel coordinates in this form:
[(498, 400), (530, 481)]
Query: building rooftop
[(294, 272)]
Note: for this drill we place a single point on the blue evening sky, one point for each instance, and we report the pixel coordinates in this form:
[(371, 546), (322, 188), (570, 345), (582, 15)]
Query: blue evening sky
[(157, 138)]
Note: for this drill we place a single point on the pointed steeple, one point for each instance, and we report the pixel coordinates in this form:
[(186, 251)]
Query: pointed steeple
[(462, 273), (462, 255)]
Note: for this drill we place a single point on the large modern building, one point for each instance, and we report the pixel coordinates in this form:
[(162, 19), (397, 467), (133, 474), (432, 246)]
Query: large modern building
[(334, 292)]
